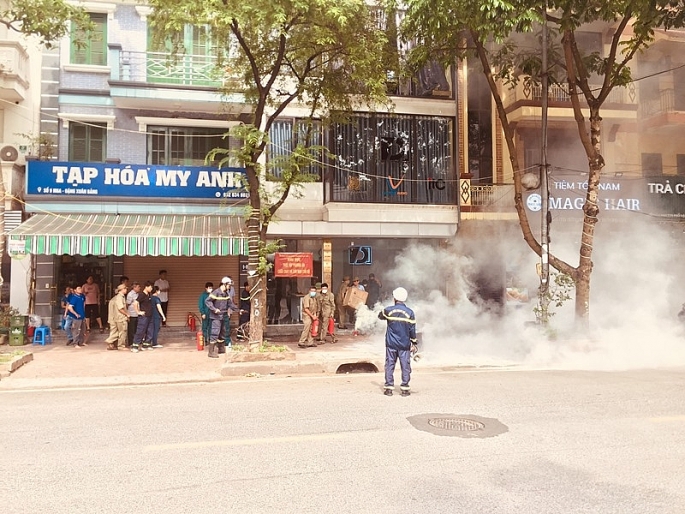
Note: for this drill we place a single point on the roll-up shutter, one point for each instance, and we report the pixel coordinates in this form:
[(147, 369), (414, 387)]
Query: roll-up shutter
[(187, 277)]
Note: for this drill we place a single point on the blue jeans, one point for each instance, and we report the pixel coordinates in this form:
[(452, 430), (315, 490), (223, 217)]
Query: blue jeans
[(391, 356), (143, 331)]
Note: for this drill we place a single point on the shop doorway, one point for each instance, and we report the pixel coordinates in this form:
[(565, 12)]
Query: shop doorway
[(72, 270)]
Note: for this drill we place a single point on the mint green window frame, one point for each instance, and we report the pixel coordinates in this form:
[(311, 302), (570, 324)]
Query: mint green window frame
[(94, 48), (87, 143)]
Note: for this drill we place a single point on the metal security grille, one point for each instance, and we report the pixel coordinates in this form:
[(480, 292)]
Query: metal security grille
[(384, 158)]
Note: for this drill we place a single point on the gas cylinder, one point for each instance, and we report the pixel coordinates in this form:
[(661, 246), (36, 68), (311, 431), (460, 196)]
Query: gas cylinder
[(200, 341)]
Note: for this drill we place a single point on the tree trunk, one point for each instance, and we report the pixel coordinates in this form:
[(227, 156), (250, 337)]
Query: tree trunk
[(256, 281)]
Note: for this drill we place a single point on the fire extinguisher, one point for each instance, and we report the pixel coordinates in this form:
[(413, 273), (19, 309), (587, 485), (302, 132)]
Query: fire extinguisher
[(315, 328), (331, 326), (191, 322), (200, 338)]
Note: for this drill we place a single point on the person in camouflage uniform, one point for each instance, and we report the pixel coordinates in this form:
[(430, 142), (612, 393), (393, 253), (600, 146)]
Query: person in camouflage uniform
[(327, 305), (310, 312)]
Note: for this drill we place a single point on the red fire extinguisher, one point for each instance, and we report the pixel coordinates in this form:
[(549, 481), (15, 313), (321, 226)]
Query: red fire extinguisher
[(191, 322), (200, 338), (331, 326), (315, 328)]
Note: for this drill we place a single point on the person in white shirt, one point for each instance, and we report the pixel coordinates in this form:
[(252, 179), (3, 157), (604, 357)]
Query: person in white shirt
[(132, 307), (163, 285)]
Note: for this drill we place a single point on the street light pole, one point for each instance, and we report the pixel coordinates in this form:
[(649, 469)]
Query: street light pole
[(544, 183)]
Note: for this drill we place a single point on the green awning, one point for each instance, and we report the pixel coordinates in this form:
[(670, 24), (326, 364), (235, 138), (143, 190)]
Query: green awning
[(130, 234)]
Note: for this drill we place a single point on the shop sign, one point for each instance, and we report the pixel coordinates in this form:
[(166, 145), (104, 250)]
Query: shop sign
[(16, 246), (661, 197), (98, 180), (293, 264)]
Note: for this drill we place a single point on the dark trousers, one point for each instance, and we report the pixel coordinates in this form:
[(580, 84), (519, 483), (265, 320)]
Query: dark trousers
[(206, 328), (391, 357), (218, 330), (165, 307), (156, 324), (132, 327), (143, 332)]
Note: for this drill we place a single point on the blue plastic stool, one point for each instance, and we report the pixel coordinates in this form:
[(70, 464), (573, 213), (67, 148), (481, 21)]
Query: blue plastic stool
[(42, 336)]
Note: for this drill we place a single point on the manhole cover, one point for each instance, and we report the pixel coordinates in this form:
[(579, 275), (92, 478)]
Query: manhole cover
[(456, 424), (464, 426)]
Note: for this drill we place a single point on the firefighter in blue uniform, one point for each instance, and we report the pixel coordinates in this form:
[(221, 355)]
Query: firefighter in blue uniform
[(219, 304), (400, 337)]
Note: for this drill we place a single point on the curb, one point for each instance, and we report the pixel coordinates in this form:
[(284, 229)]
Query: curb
[(310, 367), (13, 365)]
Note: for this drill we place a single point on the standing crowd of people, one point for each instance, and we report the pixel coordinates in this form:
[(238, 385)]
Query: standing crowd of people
[(135, 313)]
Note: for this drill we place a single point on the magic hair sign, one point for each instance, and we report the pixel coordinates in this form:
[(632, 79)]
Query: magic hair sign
[(661, 197), (101, 180)]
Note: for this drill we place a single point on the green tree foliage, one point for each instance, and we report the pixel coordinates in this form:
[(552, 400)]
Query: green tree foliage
[(321, 55), (501, 34), (48, 20)]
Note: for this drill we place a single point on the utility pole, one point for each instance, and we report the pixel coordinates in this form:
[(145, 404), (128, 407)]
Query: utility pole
[(544, 183)]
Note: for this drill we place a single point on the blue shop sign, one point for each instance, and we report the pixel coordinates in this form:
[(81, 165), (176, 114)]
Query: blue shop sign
[(98, 180)]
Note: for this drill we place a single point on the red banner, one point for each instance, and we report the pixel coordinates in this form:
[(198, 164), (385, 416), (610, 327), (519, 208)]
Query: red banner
[(293, 265)]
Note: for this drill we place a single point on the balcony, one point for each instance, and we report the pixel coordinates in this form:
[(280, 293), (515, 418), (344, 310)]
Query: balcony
[(486, 201), (666, 111), (14, 71), (524, 101), (142, 80)]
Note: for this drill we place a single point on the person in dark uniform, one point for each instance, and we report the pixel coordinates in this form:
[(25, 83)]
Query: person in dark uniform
[(220, 305), (400, 336), (245, 304), (204, 310)]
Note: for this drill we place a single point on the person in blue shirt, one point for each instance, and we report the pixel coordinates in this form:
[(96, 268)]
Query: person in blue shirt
[(400, 336), (76, 312)]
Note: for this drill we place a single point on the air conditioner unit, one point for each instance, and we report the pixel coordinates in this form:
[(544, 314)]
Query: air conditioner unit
[(12, 153)]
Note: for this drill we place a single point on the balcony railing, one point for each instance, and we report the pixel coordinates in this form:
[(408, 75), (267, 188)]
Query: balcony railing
[(488, 198), (164, 68), (527, 91), (667, 101)]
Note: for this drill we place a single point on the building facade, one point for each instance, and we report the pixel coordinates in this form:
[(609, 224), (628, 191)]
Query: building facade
[(121, 107)]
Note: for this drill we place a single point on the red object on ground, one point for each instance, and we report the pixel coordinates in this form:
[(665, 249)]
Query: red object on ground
[(191, 322), (315, 328), (331, 326), (200, 341), (30, 331)]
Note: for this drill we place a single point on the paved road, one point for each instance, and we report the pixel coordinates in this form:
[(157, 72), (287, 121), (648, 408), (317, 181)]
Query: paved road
[(569, 442)]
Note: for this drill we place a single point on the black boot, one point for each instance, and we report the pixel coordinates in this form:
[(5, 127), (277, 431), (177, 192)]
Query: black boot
[(221, 347), (212, 353)]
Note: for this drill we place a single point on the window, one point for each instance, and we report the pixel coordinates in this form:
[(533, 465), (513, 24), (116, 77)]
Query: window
[(651, 164), (185, 145), (385, 158), (680, 163), (87, 143), (282, 142), (94, 49)]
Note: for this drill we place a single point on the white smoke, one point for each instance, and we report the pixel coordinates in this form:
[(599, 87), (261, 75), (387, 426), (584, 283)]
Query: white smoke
[(635, 298)]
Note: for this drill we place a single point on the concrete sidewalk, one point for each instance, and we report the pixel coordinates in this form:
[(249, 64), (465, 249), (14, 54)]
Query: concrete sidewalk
[(59, 366)]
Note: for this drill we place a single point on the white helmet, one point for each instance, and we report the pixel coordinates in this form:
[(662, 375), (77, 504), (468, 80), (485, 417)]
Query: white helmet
[(400, 294), (226, 280)]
